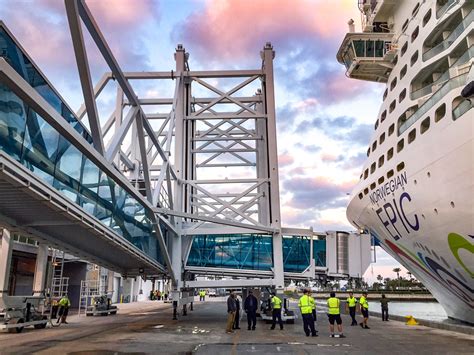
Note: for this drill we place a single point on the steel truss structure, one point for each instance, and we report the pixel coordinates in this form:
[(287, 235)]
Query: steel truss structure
[(222, 177)]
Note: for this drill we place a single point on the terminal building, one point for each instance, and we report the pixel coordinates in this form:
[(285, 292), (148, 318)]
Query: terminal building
[(162, 191)]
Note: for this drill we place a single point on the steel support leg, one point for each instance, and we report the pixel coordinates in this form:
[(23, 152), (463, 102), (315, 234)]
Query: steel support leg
[(5, 260), (41, 269)]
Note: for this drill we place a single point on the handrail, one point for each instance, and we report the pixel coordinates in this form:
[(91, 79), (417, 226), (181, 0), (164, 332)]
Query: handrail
[(433, 100), (445, 44), (426, 90)]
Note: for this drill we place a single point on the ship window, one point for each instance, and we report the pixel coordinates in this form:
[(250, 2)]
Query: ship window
[(366, 191), (415, 33), (361, 196), (372, 168), (381, 161), (400, 145), (369, 48), (393, 84), (385, 93), (376, 124), (415, 10), (405, 26), (372, 186), (404, 48), (391, 129), (403, 71), (366, 173), (383, 116), (368, 152), (427, 18), (402, 95), (374, 146), (400, 166), (389, 174), (359, 48), (381, 180), (412, 135), (414, 58), (425, 125), (390, 154), (440, 112), (392, 106), (382, 138)]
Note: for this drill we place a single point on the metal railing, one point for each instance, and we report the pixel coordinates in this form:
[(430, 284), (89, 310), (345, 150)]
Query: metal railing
[(468, 20), (442, 10), (453, 83), (462, 108), (428, 89)]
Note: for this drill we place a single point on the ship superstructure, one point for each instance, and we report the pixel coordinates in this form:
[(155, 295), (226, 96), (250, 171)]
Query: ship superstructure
[(416, 190)]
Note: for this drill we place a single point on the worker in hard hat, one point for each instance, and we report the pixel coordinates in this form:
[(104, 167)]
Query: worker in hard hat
[(64, 305)]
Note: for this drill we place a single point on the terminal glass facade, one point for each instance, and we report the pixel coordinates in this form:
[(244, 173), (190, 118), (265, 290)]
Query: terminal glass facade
[(319, 251), (30, 140), (232, 251)]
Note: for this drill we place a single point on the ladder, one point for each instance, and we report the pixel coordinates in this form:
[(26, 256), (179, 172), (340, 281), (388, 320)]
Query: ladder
[(59, 284)]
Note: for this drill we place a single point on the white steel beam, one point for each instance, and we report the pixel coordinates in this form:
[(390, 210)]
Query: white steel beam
[(72, 10)]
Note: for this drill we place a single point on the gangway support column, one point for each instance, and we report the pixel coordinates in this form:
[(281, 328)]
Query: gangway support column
[(268, 55), (5, 259), (41, 267), (180, 165)]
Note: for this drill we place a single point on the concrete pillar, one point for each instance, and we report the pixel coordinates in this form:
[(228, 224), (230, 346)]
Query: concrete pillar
[(41, 269), (110, 283), (5, 259)]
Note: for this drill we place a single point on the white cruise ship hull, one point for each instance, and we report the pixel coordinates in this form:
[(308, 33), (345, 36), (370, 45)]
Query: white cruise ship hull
[(424, 217)]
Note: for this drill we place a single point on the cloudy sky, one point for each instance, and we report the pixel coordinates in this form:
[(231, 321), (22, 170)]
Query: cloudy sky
[(324, 119)]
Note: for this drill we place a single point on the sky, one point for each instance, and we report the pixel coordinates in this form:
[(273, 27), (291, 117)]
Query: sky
[(324, 119)]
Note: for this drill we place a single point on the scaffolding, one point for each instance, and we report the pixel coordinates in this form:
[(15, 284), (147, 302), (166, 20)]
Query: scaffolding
[(91, 289)]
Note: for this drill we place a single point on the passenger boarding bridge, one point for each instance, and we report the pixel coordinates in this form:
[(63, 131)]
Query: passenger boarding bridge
[(173, 186)]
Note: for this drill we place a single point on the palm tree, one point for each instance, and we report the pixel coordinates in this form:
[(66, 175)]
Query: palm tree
[(397, 270)]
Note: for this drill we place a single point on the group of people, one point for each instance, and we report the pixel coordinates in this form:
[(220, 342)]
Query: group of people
[(158, 295), (307, 306)]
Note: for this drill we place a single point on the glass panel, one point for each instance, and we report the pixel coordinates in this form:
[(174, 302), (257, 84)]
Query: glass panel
[(319, 252), (359, 47), (12, 123), (296, 253), (369, 49), (379, 46), (234, 251), (68, 169)]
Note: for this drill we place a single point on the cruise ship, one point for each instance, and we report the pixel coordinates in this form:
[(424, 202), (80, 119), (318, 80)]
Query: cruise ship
[(416, 189)]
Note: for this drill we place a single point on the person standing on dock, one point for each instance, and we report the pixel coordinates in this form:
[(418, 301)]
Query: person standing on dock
[(306, 306), (334, 315), (351, 304), (384, 304), (237, 313), (364, 309), (250, 307), (314, 310), (231, 309), (276, 311)]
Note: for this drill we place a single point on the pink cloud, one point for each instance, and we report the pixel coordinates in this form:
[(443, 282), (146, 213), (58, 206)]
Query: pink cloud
[(234, 29), (285, 159)]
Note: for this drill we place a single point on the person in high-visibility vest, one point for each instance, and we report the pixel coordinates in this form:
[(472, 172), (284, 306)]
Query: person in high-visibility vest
[(364, 309), (306, 307), (334, 314), (314, 309), (202, 295), (351, 303), (276, 311), (64, 305)]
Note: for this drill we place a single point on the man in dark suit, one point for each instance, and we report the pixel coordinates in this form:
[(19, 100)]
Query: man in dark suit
[(250, 307)]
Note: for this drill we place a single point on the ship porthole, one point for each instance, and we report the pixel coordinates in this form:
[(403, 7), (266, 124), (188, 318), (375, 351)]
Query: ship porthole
[(436, 210), (429, 174), (416, 182), (423, 216), (452, 204)]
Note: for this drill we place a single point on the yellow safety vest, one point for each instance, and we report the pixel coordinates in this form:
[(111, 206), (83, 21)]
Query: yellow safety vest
[(276, 302), (333, 305), (64, 302), (363, 302), (313, 302), (351, 301), (306, 304)]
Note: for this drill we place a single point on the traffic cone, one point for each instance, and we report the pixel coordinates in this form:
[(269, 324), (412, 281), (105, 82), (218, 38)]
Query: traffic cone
[(411, 320)]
